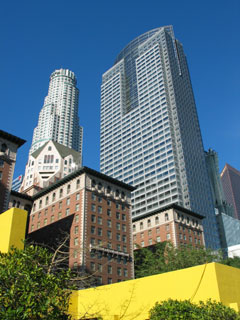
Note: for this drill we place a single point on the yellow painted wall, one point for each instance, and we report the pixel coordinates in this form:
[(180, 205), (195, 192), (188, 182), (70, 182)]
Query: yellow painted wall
[(134, 298), (12, 229)]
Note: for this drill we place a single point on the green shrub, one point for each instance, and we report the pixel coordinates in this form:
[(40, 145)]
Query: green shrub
[(186, 310)]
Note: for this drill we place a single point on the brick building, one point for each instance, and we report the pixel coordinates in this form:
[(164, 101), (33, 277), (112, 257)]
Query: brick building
[(172, 223), (8, 152), (95, 210)]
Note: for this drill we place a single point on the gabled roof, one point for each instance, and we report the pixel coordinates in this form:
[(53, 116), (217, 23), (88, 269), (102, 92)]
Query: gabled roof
[(63, 151)]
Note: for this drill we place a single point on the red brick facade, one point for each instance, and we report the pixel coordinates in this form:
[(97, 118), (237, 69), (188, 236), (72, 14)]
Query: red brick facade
[(101, 227), (175, 224)]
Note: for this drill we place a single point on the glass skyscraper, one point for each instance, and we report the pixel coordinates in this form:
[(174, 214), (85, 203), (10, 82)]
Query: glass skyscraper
[(58, 119), (150, 134)]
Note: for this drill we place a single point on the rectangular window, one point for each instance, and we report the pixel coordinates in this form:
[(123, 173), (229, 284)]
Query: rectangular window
[(118, 226), (77, 196), (52, 218), (93, 196), (68, 201), (99, 209), (123, 217), (60, 205), (77, 218), (76, 241), (93, 218), (99, 231), (99, 220), (93, 230), (125, 272), (109, 223), (118, 215), (109, 234), (110, 269), (124, 238), (93, 207), (119, 271), (109, 213), (77, 207), (118, 237), (124, 228), (76, 230), (67, 211)]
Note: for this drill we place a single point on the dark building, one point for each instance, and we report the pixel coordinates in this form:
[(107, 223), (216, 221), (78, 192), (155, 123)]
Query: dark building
[(9, 145), (230, 178)]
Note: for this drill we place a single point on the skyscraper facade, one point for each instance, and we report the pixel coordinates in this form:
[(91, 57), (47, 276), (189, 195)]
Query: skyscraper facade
[(58, 119), (150, 134), (230, 178)]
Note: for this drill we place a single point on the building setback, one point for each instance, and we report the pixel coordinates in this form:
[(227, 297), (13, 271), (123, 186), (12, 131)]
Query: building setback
[(150, 134), (172, 223), (230, 178), (95, 210), (8, 152)]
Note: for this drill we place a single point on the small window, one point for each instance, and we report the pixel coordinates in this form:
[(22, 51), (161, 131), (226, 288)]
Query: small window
[(68, 188), (157, 220), (54, 196), (4, 147), (78, 183), (166, 217)]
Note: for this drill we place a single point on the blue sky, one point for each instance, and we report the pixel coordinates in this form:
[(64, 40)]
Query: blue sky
[(38, 37)]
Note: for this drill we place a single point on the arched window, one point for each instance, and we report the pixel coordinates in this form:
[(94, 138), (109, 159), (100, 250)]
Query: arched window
[(108, 190), (46, 201), (166, 217), (60, 193), (54, 196), (141, 225), (157, 220), (134, 227), (149, 222), (78, 183), (99, 186)]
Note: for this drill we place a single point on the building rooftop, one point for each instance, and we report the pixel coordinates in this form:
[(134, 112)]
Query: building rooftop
[(12, 138)]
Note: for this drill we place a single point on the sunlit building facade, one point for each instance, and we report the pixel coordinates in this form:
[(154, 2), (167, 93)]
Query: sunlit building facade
[(58, 119), (150, 134)]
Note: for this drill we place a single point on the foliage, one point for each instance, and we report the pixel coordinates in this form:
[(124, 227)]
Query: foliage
[(233, 262), (31, 287), (210, 310), (164, 257)]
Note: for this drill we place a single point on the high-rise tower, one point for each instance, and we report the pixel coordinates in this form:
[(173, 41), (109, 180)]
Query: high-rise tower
[(58, 120), (150, 134), (56, 148)]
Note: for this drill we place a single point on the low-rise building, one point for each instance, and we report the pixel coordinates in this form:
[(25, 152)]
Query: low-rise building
[(171, 223), (96, 211)]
